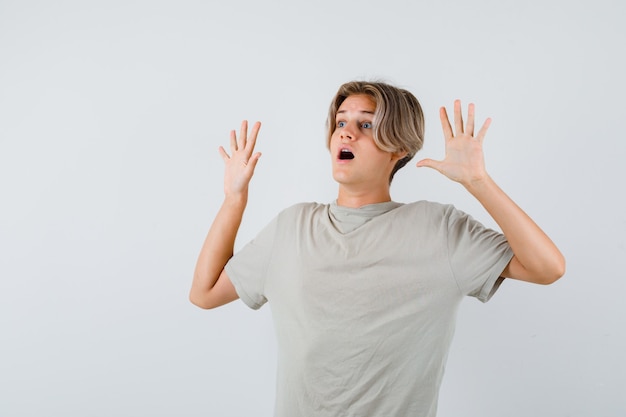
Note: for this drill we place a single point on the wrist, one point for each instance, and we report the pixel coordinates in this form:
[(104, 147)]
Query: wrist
[(236, 199), (478, 186)]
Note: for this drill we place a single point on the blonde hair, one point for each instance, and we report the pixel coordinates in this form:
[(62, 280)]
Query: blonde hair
[(398, 118)]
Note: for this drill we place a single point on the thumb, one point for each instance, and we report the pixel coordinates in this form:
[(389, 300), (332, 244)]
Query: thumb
[(430, 163)]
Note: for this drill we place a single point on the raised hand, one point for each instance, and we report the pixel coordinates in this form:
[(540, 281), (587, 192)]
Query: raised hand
[(464, 160), (240, 164)]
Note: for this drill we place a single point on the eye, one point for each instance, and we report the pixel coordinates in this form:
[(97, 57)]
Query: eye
[(366, 125), (341, 124)]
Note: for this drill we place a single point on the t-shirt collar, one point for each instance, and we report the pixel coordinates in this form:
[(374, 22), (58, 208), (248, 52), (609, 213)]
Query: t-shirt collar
[(347, 219)]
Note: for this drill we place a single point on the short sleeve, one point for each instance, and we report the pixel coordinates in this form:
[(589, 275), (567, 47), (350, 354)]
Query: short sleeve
[(477, 255), (247, 269)]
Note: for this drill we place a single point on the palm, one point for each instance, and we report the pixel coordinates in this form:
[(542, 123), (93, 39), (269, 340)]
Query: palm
[(464, 161), (239, 165)]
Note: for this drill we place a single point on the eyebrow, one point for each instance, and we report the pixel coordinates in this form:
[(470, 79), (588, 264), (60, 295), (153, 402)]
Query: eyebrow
[(359, 111)]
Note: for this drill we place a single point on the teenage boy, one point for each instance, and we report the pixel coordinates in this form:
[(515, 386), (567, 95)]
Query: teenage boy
[(365, 290)]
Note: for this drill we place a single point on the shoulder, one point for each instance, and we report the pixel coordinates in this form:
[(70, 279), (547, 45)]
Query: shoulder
[(301, 211), (430, 216), (428, 208)]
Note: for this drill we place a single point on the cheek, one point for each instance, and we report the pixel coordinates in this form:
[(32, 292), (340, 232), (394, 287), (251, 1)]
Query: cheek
[(331, 140)]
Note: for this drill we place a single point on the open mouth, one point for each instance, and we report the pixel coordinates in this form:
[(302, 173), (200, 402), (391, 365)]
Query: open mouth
[(346, 154)]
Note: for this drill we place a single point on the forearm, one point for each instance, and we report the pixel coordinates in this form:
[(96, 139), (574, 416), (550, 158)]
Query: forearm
[(218, 246), (537, 259)]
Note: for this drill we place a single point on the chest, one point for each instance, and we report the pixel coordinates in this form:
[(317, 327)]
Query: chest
[(362, 274)]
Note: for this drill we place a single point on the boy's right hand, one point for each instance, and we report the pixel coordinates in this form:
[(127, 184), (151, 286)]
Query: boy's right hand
[(239, 165)]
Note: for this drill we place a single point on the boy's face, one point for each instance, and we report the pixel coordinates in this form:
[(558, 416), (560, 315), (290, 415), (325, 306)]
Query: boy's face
[(356, 159)]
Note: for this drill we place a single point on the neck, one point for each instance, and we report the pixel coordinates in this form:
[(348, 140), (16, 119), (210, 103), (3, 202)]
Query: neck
[(359, 198)]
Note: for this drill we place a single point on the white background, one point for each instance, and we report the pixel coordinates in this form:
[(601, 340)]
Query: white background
[(111, 113)]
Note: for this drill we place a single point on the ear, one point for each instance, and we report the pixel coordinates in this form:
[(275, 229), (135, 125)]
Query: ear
[(396, 156)]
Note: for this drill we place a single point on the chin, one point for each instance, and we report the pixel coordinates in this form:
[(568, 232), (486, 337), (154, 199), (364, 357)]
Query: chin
[(340, 177)]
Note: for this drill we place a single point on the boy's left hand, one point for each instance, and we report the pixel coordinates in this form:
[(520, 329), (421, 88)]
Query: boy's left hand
[(464, 161)]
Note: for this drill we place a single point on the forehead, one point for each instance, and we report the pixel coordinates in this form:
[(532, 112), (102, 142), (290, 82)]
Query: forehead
[(360, 103)]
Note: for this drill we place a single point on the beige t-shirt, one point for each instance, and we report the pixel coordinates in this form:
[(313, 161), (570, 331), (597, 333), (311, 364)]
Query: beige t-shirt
[(364, 301)]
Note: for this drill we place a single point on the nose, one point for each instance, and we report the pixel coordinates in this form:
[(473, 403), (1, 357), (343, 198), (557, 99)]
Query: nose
[(347, 132)]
